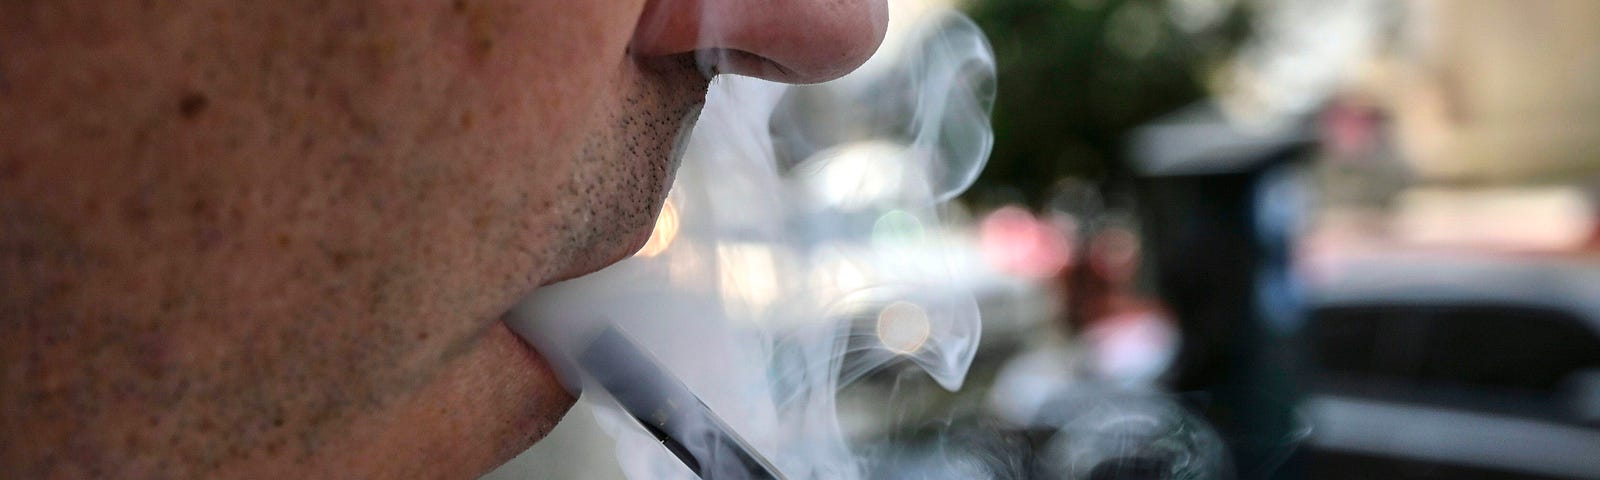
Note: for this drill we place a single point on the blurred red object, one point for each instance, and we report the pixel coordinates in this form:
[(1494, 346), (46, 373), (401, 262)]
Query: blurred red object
[(1014, 241)]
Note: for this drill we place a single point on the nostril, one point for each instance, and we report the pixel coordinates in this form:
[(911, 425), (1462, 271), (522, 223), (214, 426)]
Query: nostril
[(716, 61)]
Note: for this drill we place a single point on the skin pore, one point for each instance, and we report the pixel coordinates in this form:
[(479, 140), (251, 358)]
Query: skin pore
[(248, 239)]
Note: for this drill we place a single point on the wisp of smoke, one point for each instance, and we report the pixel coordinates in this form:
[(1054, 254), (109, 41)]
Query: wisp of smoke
[(800, 248)]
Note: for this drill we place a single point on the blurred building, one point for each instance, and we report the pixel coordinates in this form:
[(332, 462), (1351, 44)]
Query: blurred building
[(1498, 90)]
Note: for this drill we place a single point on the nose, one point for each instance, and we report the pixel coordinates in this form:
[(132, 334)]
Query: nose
[(793, 41)]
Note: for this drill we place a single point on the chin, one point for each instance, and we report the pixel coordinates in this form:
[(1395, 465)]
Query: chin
[(626, 167), (619, 246)]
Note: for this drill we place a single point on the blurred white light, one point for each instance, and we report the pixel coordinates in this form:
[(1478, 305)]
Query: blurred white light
[(903, 327), (835, 273), (847, 277), (1527, 218), (1303, 51), (855, 175), (748, 278), (665, 231)]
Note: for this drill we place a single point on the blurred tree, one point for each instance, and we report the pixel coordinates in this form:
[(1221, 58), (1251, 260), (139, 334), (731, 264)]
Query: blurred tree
[(1075, 76)]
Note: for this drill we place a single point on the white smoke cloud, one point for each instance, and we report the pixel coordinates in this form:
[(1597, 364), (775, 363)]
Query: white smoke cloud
[(799, 251)]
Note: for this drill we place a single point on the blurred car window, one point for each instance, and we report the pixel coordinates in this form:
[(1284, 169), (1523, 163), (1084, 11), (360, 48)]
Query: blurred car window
[(1499, 346)]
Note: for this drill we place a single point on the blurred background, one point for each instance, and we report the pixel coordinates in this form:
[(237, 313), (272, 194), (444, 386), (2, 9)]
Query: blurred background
[(1261, 239)]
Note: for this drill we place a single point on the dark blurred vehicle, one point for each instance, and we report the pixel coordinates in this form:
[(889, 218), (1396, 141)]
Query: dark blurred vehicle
[(1455, 366)]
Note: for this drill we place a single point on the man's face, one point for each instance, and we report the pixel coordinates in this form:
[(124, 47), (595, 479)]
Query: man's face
[(253, 237)]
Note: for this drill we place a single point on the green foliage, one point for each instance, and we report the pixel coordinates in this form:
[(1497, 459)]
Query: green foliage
[(1075, 77)]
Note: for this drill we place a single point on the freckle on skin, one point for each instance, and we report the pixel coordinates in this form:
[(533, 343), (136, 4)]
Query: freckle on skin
[(192, 105), (199, 208), (480, 28), (340, 260), (135, 210)]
